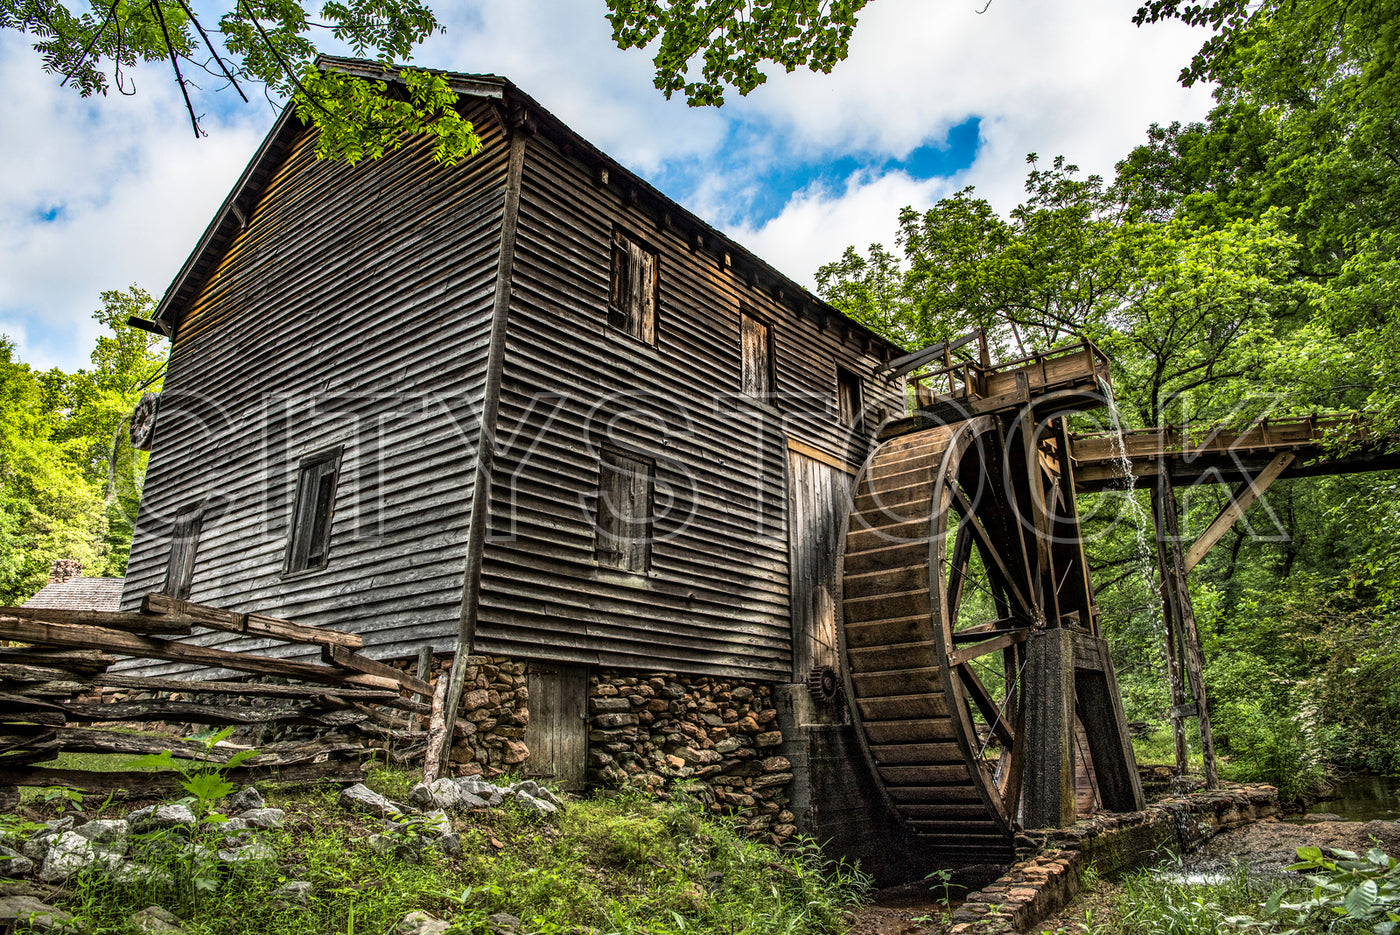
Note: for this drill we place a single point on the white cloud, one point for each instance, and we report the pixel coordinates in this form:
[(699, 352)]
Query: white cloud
[(131, 188), (136, 189)]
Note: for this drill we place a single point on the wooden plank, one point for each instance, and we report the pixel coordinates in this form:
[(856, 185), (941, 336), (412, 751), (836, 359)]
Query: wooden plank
[(384, 696), (989, 549), (1239, 504), (136, 784), (58, 634), (960, 656), (186, 712), (817, 454), (17, 672), (228, 621), (953, 775), (438, 734), (345, 659), (112, 620), (87, 661)]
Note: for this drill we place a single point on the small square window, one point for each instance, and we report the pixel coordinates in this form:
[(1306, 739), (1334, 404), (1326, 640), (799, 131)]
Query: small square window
[(310, 541), (184, 541), (635, 280), (756, 353), (624, 511), (848, 399)]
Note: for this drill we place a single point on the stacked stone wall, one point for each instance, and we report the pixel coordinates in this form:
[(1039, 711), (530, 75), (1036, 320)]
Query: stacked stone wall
[(495, 703), (715, 739)]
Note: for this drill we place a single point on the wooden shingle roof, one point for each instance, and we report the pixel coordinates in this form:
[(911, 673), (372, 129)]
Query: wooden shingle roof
[(80, 594)]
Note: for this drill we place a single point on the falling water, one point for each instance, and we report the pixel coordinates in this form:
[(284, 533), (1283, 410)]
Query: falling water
[(1125, 473)]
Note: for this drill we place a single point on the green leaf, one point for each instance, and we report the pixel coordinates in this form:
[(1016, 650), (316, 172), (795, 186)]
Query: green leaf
[(1360, 900)]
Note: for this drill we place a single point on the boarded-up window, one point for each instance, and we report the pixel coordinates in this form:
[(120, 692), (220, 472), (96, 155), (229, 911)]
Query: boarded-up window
[(848, 400), (184, 541), (624, 511), (310, 541), (756, 354), (632, 305)]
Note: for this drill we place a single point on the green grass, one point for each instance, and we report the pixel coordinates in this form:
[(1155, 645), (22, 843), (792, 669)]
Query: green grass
[(1159, 749), (620, 864)]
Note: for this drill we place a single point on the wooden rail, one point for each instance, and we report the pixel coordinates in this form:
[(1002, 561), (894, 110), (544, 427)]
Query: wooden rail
[(52, 684), (1223, 454)]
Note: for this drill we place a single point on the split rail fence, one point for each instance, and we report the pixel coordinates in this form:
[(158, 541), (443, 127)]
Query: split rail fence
[(51, 696)]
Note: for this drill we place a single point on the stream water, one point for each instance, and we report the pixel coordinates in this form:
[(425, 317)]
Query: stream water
[(1362, 798)]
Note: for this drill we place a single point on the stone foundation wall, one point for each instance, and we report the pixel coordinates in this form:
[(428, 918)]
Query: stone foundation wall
[(495, 702), (715, 739), (1047, 876)]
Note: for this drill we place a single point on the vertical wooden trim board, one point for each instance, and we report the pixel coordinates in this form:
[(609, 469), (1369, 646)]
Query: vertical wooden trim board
[(486, 445)]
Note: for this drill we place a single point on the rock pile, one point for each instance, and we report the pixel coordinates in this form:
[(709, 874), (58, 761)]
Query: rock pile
[(495, 704), (716, 739)]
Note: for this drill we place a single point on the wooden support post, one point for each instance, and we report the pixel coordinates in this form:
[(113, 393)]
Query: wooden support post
[(1167, 596), (439, 737), (1048, 790), (1239, 504), (1106, 727), (425, 672), (1179, 599)]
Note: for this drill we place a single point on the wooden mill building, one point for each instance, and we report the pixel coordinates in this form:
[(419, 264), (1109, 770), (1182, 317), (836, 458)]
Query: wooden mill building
[(525, 406)]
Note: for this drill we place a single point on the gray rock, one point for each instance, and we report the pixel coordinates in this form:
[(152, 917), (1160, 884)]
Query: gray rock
[(39, 916), (450, 844), (13, 863), (161, 816), (248, 853), (70, 853), (530, 787), (294, 893), (263, 817), (420, 923), (133, 874), (37, 847), (157, 920), (503, 923), (60, 824), (244, 800), (537, 808), (1321, 816), (362, 798), (436, 823), (441, 793), (111, 834), (487, 792)]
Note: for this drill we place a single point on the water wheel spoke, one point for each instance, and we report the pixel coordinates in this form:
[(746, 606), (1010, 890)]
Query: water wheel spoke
[(957, 571), (986, 705), (1005, 639), (989, 551)]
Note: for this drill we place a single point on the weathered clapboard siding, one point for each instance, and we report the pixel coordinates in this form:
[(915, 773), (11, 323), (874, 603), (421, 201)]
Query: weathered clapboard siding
[(716, 596), (354, 309)]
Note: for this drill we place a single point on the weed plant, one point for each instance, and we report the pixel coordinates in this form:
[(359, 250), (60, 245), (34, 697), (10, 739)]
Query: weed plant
[(612, 865)]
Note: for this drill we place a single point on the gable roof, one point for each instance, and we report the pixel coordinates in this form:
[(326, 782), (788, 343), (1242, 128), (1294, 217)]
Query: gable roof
[(80, 594), (523, 112)]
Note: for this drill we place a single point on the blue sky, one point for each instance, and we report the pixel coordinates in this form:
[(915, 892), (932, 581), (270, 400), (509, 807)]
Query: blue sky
[(103, 193)]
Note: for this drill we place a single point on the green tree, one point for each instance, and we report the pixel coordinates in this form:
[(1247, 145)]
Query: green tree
[(49, 508)]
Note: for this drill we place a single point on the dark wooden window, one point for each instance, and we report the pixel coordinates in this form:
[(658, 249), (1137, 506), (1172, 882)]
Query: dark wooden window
[(309, 544), (635, 279), (756, 353), (184, 541), (624, 511), (848, 399)]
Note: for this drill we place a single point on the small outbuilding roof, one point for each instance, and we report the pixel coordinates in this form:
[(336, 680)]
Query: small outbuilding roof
[(80, 594)]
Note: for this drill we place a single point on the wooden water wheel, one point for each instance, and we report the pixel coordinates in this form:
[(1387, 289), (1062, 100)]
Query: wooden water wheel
[(961, 551)]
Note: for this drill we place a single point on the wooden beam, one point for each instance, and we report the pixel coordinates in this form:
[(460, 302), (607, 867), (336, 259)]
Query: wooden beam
[(959, 656), (342, 657), (216, 618), (83, 637), (439, 736), (136, 784), (987, 706), (86, 661), (152, 684), (188, 712), (128, 621), (1239, 504)]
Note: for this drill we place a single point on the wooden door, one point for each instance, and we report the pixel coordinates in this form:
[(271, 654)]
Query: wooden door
[(818, 496), (557, 734)]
